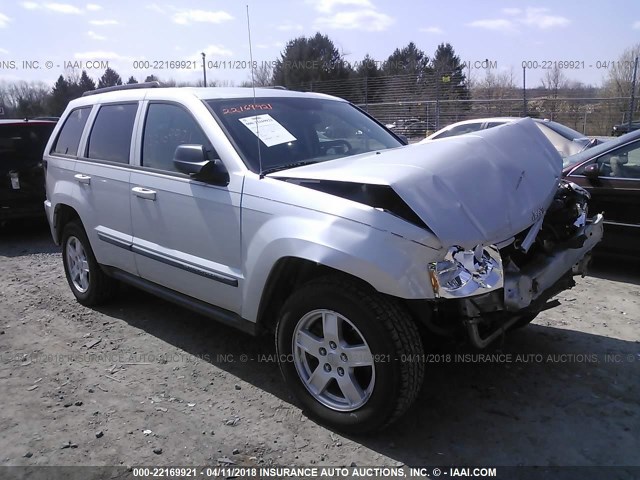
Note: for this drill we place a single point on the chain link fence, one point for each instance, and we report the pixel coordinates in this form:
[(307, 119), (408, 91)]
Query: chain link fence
[(415, 106)]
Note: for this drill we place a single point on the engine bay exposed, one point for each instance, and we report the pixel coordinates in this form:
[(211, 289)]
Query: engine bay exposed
[(562, 226), (538, 263)]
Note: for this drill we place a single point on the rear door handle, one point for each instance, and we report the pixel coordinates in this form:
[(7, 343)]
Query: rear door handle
[(85, 179), (144, 193)]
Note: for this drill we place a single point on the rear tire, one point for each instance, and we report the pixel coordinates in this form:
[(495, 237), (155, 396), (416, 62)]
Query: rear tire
[(352, 356), (90, 285)]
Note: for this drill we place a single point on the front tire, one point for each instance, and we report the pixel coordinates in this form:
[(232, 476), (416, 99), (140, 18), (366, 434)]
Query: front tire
[(89, 284), (352, 356)]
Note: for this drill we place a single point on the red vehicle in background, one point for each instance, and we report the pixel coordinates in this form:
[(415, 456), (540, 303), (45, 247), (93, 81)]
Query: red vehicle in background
[(610, 172)]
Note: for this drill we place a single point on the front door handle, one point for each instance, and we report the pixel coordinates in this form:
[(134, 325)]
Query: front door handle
[(85, 179), (144, 193)]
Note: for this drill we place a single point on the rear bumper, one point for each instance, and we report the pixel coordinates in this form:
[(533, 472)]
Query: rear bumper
[(530, 283)]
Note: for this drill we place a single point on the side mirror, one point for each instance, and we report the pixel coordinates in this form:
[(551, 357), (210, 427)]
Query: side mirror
[(192, 160), (592, 172)]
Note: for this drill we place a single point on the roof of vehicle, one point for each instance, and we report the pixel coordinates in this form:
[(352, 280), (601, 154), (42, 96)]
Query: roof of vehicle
[(499, 119), (601, 148), (202, 93), (486, 119), (558, 127)]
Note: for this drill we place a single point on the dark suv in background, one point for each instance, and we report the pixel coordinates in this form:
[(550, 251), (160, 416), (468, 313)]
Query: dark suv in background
[(22, 143), (623, 128)]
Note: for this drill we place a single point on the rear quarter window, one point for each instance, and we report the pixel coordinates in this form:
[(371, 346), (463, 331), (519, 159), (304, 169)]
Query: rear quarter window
[(110, 137), (69, 137)]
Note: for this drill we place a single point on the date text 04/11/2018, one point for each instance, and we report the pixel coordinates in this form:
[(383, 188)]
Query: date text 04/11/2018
[(575, 64), (195, 64)]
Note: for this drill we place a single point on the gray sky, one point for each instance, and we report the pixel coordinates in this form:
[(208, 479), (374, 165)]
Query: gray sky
[(123, 32)]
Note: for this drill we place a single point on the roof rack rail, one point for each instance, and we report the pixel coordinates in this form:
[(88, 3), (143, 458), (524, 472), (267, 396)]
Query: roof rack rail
[(276, 87), (129, 86)]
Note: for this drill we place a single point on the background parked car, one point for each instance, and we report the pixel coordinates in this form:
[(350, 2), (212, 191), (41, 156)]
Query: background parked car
[(611, 174), (566, 140), (412, 127), (623, 128), (22, 143)]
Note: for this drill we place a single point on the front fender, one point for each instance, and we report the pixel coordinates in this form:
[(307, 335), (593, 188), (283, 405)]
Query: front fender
[(389, 263)]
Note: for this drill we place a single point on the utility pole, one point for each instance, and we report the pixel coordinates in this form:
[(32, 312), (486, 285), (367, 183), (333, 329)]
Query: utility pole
[(204, 68), (524, 91), (632, 101), (437, 97), (366, 91)]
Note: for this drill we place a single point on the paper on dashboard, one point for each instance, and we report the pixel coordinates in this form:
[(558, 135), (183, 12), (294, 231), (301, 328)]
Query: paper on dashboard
[(268, 130)]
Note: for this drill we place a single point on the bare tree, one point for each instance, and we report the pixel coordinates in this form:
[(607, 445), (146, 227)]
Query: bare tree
[(496, 85), (620, 72), (471, 78), (221, 83), (73, 75), (24, 99), (5, 102), (496, 88), (618, 83), (263, 75), (554, 80)]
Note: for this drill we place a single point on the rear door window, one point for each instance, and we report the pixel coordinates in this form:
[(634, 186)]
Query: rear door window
[(69, 138), (110, 138)]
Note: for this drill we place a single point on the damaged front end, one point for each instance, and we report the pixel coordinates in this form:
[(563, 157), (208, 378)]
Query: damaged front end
[(525, 272), (508, 232)]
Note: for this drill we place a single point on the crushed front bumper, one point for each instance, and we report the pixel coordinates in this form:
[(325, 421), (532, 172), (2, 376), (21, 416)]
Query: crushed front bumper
[(523, 287), (527, 288)]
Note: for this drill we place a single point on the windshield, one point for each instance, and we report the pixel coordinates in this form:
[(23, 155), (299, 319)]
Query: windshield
[(295, 131), (563, 130)]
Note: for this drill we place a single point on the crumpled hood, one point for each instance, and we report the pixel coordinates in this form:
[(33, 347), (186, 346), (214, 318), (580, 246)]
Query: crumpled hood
[(483, 187)]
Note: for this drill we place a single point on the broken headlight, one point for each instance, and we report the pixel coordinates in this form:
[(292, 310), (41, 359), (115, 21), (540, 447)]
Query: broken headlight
[(467, 272)]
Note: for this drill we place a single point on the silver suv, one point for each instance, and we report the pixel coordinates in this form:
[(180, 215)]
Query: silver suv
[(299, 214)]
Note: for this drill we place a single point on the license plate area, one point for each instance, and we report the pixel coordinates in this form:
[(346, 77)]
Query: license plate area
[(15, 180)]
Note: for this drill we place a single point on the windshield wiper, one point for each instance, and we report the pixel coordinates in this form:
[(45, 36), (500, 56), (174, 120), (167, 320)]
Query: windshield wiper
[(286, 166)]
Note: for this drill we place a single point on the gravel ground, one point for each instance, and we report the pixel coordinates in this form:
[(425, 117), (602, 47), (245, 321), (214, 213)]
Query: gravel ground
[(143, 382)]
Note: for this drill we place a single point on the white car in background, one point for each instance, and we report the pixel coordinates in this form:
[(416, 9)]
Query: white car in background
[(566, 140)]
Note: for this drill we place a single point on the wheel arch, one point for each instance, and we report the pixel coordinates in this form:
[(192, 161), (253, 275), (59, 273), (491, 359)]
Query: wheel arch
[(62, 215), (388, 263), (286, 276)]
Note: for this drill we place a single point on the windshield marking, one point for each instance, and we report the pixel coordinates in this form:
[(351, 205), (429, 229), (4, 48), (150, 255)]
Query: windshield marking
[(268, 130), (246, 108)]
